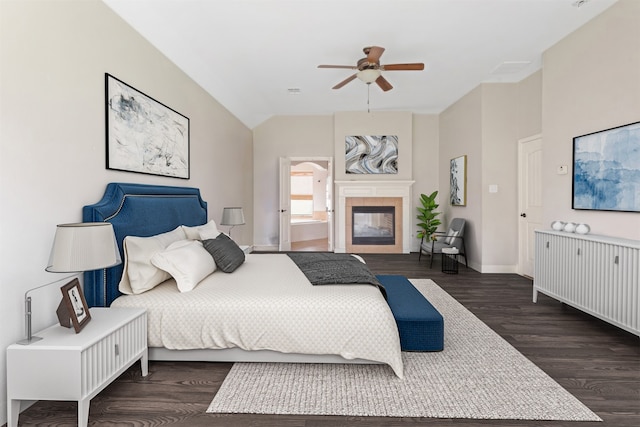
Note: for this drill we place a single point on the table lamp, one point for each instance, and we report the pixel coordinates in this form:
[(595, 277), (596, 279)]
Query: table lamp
[(232, 217), (77, 247)]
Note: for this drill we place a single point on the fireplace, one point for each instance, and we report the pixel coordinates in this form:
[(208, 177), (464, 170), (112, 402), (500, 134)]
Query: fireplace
[(373, 225), (354, 194)]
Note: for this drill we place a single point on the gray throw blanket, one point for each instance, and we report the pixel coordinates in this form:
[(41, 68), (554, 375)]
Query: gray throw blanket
[(335, 269)]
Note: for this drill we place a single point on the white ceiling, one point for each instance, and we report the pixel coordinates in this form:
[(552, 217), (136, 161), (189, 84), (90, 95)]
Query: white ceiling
[(248, 54)]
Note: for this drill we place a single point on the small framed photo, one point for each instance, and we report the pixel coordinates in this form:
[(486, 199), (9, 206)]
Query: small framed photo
[(73, 308)]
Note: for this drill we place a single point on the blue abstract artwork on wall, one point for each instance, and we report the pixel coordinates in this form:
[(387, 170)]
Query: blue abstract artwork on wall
[(606, 170)]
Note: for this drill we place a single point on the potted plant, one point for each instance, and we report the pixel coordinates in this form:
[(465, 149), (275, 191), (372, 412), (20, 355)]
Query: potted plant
[(428, 221)]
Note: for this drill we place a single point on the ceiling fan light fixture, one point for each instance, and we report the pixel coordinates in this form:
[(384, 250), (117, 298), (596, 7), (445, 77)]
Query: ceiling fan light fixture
[(369, 75), (369, 69)]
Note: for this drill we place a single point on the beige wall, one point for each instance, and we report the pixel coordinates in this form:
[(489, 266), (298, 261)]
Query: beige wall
[(460, 135), (591, 82), (316, 136), (499, 168), (282, 136), (52, 139), (426, 152), (485, 125), (497, 114), (529, 105)]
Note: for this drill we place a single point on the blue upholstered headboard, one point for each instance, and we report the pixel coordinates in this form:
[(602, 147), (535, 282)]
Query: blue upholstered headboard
[(137, 210)]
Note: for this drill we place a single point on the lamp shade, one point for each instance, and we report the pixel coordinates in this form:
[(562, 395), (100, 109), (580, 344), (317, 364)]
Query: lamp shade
[(369, 75), (83, 246), (232, 216)]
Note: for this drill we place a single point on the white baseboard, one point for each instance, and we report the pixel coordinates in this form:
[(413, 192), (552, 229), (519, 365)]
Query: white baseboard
[(266, 248), (498, 269)]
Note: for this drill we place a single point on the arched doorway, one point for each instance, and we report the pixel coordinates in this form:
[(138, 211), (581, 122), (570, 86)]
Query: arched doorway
[(307, 197)]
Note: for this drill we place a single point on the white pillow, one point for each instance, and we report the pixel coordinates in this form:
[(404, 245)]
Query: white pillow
[(139, 275), (451, 237), (359, 258), (193, 233), (209, 233), (187, 261)]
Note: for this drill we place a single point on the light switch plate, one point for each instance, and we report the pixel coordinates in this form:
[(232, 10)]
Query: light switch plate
[(493, 188)]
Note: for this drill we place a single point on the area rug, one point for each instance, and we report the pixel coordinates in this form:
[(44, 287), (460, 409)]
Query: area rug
[(478, 375)]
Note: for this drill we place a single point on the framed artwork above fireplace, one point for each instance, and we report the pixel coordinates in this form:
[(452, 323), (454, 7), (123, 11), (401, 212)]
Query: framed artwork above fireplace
[(371, 154)]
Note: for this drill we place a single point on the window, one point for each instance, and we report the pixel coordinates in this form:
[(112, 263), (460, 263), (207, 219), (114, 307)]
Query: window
[(302, 194)]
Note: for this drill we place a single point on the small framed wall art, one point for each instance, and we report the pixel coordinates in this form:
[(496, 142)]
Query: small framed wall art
[(458, 181), (73, 309), (144, 135)]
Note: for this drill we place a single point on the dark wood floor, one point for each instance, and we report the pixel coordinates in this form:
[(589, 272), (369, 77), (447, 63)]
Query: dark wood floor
[(598, 363)]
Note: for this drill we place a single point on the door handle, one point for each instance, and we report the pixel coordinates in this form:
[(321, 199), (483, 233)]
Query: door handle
[(523, 215), (283, 210)]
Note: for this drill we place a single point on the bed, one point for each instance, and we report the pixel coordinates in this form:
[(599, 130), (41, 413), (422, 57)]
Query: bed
[(266, 310)]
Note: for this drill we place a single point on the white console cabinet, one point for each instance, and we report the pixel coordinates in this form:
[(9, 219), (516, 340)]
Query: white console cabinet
[(69, 366), (596, 274)]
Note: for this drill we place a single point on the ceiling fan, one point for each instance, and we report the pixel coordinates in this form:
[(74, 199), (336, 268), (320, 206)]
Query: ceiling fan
[(370, 70)]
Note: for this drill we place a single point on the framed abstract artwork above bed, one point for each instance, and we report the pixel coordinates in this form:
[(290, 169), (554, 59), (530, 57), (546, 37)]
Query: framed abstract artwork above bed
[(144, 135), (606, 170)]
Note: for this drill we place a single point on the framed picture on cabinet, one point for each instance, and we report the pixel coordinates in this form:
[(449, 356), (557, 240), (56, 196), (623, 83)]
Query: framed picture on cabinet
[(73, 309)]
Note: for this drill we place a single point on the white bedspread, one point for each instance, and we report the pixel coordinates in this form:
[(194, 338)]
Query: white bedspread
[(268, 304)]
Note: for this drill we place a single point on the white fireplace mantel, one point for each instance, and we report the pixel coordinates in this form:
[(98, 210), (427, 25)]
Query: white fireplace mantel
[(345, 189)]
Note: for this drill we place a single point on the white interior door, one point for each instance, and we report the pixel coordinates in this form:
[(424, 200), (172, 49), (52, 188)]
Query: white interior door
[(330, 204), (284, 243), (530, 200)]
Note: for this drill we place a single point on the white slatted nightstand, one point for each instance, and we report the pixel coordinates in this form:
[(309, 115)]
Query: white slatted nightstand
[(69, 366)]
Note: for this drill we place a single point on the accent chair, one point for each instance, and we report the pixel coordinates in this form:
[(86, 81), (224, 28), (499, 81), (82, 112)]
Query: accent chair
[(452, 238)]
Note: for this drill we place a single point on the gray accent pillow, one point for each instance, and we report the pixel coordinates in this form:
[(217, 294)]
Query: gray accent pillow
[(225, 252)]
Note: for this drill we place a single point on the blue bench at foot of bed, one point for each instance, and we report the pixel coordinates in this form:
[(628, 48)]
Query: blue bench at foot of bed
[(420, 325)]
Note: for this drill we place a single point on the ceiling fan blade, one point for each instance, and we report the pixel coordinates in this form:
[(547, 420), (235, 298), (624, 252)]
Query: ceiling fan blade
[(348, 67), (345, 81), (384, 84), (375, 52), (398, 67)]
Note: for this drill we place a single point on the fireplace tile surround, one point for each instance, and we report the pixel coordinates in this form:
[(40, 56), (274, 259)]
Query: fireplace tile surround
[(351, 202), (371, 193)]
